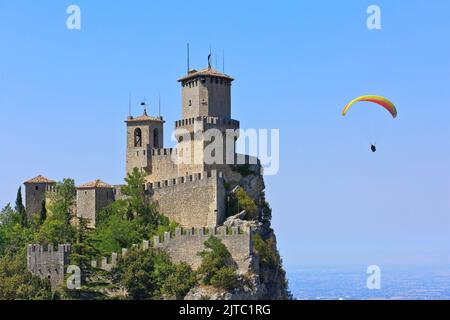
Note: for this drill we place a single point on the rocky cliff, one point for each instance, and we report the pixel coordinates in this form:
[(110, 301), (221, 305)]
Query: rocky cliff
[(266, 278)]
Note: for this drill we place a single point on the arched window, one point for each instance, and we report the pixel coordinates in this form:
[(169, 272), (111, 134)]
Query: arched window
[(156, 138), (138, 137)]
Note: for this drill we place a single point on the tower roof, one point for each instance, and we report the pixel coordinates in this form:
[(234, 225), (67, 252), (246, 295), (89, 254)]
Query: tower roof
[(96, 184), (39, 179), (208, 72), (144, 118)]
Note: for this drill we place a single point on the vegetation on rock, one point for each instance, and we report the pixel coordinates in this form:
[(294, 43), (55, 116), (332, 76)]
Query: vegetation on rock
[(149, 274), (239, 201), (218, 268)]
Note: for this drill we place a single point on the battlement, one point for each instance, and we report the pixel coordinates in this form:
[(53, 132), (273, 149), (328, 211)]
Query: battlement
[(219, 232), (205, 121), (38, 249), (50, 263), (184, 244), (50, 188), (195, 177), (163, 151), (193, 200)]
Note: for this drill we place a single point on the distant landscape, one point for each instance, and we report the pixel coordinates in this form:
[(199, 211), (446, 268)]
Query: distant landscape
[(398, 283)]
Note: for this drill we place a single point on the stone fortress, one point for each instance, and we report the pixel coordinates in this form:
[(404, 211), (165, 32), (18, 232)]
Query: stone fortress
[(191, 193)]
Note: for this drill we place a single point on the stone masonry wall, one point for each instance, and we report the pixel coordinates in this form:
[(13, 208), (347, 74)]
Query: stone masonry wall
[(184, 246), (86, 205), (48, 264), (192, 201), (162, 165), (35, 194)]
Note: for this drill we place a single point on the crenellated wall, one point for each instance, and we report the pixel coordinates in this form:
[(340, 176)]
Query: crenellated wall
[(185, 244), (207, 122), (193, 200), (48, 264), (162, 164)]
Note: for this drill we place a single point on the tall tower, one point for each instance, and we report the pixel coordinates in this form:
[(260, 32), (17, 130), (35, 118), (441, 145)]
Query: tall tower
[(144, 133), (206, 93), (35, 193), (206, 104)]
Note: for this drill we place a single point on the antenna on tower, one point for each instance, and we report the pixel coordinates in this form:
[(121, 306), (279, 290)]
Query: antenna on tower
[(223, 61), (188, 59), (209, 57), (159, 105), (129, 104)]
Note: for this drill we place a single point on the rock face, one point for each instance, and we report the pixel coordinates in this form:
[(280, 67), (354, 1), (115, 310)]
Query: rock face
[(266, 279)]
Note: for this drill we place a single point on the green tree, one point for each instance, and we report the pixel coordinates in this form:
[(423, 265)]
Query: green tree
[(140, 209), (20, 208), (135, 190), (57, 227), (151, 275), (266, 212), (173, 281), (55, 231), (8, 219), (225, 278), (17, 283), (114, 230), (63, 200), (43, 213), (84, 250), (218, 267), (239, 201), (134, 273), (13, 236), (267, 251)]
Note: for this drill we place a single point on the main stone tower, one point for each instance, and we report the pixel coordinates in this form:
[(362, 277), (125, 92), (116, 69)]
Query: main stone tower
[(206, 104), (206, 93)]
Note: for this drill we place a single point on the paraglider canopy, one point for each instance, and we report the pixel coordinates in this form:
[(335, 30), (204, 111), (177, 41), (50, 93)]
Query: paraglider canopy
[(381, 101), (385, 103)]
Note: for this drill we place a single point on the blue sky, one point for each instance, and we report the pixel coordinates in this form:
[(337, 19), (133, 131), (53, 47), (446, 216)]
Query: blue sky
[(64, 97)]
